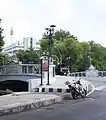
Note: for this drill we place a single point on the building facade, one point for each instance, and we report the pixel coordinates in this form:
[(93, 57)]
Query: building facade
[(26, 44), (30, 43)]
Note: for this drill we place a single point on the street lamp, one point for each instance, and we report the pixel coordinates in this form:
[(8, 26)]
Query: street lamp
[(68, 62), (90, 55), (50, 32), (90, 60)]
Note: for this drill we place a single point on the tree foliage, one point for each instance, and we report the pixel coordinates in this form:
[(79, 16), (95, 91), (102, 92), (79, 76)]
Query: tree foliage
[(3, 59), (1, 38), (28, 56), (67, 45)]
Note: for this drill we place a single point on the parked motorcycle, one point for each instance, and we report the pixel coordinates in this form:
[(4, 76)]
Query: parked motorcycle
[(76, 90)]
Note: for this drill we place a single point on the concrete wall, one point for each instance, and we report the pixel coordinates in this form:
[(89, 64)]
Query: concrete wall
[(18, 77)]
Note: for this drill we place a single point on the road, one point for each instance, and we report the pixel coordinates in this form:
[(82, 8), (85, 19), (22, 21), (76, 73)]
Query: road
[(92, 108)]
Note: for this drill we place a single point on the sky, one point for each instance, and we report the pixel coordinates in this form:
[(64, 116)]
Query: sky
[(85, 19)]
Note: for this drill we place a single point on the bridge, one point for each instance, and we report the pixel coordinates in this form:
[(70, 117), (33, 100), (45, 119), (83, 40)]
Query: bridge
[(16, 76)]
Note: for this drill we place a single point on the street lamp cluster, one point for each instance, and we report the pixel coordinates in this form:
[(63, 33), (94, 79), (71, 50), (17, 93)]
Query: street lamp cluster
[(49, 33)]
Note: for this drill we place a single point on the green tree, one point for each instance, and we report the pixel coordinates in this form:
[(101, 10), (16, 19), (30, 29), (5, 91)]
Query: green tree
[(44, 43), (84, 62), (59, 49), (28, 56), (1, 38), (61, 35), (74, 51), (98, 54), (66, 45), (3, 59)]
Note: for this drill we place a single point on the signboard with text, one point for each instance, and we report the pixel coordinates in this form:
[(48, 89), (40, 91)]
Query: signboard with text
[(45, 65)]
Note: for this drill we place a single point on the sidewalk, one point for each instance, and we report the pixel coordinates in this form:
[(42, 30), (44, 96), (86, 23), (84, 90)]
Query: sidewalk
[(59, 85), (12, 104)]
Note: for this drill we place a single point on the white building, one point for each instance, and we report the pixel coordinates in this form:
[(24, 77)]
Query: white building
[(13, 48), (24, 45), (30, 43)]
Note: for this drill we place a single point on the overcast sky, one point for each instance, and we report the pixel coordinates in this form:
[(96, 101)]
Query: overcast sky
[(86, 19)]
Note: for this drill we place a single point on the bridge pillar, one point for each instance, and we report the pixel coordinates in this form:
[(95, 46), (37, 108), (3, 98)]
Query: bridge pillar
[(29, 86), (27, 70), (33, 69), (52, 73)]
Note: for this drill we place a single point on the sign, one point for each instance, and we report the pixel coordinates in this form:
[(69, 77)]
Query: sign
[(45, 65)]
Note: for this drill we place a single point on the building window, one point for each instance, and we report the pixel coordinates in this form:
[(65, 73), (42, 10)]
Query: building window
[(37, 43)]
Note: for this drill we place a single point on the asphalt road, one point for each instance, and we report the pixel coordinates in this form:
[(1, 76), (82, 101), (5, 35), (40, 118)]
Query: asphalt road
[(92, 108)]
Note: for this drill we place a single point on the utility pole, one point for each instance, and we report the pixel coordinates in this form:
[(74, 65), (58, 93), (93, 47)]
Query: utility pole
[(11, 36)]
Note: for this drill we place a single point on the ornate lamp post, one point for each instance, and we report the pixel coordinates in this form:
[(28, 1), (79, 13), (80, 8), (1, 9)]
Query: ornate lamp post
[(49, 33)]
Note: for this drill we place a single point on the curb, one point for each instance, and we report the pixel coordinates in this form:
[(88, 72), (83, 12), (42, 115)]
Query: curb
[(51, 90), (16, 108)]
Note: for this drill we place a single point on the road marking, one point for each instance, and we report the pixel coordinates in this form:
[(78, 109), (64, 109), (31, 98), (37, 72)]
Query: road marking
[(93, 88), (100, 88)]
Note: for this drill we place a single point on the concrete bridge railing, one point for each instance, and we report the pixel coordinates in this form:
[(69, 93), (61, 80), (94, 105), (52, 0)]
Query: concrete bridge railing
[(20, 69)]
